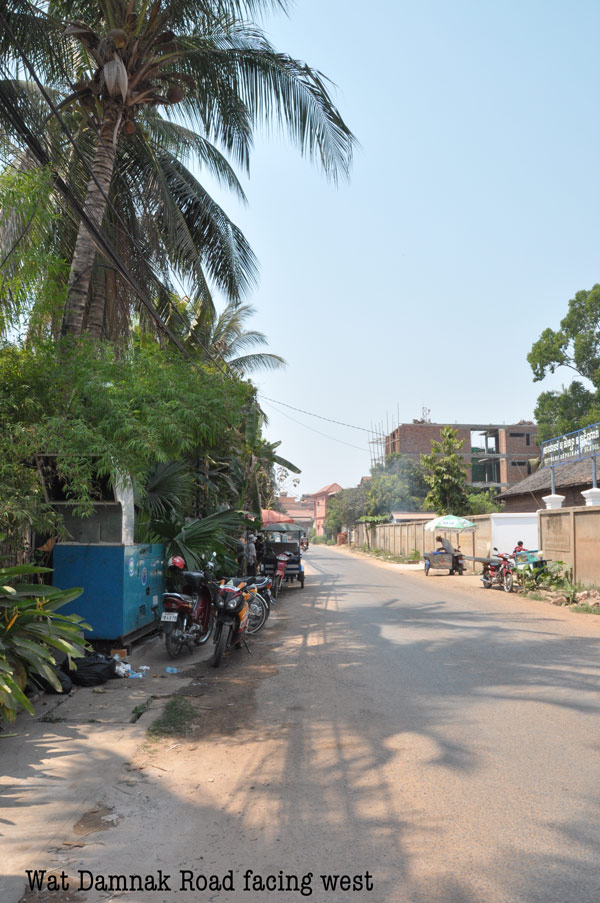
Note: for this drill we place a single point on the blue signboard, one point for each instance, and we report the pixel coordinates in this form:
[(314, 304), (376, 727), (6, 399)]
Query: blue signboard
[(572, 446)]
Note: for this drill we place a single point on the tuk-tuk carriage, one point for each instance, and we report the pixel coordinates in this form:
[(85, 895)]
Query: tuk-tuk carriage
[(283, 538)]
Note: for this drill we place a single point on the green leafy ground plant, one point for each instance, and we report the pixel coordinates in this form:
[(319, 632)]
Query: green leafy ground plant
[(31, 632)]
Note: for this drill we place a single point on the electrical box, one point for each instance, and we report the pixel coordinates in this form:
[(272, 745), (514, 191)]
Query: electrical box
[(122, 586)]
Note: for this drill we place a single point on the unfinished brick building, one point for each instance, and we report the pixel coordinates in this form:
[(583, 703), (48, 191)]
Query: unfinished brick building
[(496, 456)]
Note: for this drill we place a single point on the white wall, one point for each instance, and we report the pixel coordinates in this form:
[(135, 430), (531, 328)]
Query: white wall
[(507, 529)]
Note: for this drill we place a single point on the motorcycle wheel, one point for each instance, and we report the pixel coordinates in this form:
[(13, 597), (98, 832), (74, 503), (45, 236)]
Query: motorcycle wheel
[(460, 570), (276, 585), (259, 613), (220, 646), (203, 638), (175, 638), (507, 582), (487, 583)]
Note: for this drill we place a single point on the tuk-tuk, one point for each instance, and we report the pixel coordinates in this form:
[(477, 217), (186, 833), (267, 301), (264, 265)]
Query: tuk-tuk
[(283, 538)]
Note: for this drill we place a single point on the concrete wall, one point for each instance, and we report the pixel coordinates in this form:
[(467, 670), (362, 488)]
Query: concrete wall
[(499, 530), (572, 535)]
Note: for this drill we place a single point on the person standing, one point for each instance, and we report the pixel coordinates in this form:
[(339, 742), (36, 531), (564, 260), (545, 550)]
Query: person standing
[(250, 555)]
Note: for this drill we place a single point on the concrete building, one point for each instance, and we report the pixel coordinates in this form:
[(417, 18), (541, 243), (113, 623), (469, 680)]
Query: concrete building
[(320, 500), (496, 456)]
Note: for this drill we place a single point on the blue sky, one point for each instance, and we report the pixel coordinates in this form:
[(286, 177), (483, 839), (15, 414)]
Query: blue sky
[(468, 222)]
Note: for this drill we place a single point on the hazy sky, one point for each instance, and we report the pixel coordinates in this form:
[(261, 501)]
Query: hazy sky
[(468, 223)]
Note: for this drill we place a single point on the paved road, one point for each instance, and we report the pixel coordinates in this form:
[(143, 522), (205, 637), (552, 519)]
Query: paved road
[(440, 743)]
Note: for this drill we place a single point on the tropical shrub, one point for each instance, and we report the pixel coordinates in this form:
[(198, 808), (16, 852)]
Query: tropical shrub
[(31, 631)]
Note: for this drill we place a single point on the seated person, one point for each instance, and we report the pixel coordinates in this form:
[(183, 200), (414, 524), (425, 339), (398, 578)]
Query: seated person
[(446, 546), (519, 547)]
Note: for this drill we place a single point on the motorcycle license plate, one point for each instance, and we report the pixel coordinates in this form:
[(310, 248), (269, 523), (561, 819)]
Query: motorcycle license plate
[(169, 616)]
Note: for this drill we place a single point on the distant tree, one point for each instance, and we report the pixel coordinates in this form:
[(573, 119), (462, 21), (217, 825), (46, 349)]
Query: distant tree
[(482, 503), (344, 509), (576, 344), (444, 473), (570, 409), (397, 484)]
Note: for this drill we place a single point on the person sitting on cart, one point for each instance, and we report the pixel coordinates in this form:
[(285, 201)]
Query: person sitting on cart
[(448, 548), (519, 548)]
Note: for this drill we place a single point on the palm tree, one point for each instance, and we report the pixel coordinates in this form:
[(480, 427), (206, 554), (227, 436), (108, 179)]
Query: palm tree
[(221, 337), (143, 85)]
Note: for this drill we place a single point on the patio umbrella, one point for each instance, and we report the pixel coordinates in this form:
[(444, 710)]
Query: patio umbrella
[(450, 523), (269, 516)]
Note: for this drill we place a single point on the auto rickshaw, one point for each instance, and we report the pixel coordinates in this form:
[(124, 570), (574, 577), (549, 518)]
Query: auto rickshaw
[(283, 538)]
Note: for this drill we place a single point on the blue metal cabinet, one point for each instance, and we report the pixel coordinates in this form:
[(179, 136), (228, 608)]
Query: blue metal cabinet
[(122, 586)]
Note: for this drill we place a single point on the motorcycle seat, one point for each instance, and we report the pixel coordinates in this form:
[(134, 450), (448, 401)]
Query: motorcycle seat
[(182, 597), (250, 581)]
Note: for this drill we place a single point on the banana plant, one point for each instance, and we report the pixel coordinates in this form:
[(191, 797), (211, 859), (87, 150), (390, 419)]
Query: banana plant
[(260, 459)]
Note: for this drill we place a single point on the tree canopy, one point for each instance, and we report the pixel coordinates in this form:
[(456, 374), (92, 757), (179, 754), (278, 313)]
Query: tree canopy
[(444, 473), (118, 97), (576, 345)]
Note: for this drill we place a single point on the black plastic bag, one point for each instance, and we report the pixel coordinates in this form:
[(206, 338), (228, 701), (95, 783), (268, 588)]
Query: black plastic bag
[(92, 670), (66, 683)]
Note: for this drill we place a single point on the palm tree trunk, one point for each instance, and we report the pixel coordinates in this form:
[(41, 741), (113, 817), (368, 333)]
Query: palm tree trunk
[(95, 318), (95, 205)]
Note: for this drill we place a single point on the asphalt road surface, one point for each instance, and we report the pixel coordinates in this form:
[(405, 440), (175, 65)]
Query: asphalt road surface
[(432, 741)]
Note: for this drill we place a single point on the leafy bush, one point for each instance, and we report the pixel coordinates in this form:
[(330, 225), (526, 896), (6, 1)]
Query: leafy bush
[(31, 630)]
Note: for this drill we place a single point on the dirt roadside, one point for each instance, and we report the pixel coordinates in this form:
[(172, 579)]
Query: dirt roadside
[(70, 773)]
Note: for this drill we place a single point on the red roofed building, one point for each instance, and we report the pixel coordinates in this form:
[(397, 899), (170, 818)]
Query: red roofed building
[(320, 501), (302, 513)]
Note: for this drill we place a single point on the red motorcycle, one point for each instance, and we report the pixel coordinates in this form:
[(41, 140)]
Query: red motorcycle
[(279, 575), (498, 571), (188, 614)]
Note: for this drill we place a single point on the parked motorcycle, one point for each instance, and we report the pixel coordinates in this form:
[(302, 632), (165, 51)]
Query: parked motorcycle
[(232, 604), (187, 614), (279, 575), (262, 599), (498, 571)]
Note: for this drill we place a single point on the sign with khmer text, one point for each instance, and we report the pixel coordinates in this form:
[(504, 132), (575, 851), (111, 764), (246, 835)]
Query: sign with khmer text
[(572, 446)]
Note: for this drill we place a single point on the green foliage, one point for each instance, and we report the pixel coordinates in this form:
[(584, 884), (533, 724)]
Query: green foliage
[(444, 473), (573, 408), (372, 520), (257, 462), (398, 484), (103, 415), (33, 276), (31, 630), (196, 539), (344, 509), (211, 78), (482, 503), (576, 344)]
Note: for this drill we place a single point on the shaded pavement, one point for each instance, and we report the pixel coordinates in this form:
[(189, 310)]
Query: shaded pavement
[(436, 740)]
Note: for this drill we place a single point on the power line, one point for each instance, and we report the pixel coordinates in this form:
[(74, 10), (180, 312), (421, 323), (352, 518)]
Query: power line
[(333, 438), (320, 417)]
